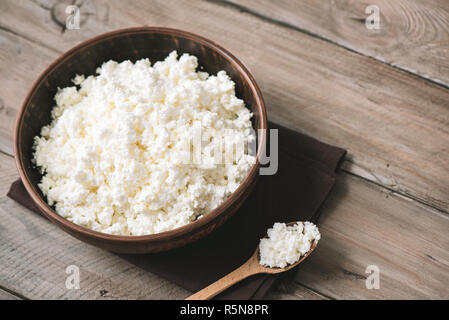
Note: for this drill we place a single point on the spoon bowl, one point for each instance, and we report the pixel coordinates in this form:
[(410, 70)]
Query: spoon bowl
[(249, 268), (269, 270)]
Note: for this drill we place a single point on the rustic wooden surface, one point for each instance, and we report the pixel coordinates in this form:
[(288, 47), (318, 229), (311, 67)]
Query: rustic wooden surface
[(5, 295), (381, 94)]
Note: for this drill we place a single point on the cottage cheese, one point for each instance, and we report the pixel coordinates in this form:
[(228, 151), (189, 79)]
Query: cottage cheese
[(287, 244), (114, 156)]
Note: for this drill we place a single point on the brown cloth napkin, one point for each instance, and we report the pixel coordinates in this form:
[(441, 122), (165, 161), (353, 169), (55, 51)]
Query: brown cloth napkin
[(305, 177)]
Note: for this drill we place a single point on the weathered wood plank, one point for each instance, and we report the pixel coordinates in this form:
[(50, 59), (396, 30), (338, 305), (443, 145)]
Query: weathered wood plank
[(296, 292), (362, 225), (393, 124), (366, 225), (8, 173), (5, 295), (35, 254), (20, 64), (413, 35)]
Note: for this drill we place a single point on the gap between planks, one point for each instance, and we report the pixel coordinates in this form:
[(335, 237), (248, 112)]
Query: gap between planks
[(6, 294)]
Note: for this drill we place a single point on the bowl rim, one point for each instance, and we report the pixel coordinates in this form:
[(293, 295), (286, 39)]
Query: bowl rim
[(165, 235)]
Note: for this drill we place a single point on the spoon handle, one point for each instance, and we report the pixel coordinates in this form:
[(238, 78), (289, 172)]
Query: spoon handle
[(243, 272)]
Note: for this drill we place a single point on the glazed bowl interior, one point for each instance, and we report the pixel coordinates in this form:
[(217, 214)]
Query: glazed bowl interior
[(128, 44)]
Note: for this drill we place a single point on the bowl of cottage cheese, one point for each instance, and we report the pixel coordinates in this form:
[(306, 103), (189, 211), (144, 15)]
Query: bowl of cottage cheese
[(141, 140)]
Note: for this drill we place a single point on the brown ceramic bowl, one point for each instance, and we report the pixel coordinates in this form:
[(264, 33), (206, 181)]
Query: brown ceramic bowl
[(135, 43)]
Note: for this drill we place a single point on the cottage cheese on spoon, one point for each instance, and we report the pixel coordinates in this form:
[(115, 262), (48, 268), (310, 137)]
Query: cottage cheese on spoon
[(287, 244)]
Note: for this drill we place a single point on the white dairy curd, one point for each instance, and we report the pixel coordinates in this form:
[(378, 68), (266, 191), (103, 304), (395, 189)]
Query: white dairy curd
[(114, 156), (287, 244)]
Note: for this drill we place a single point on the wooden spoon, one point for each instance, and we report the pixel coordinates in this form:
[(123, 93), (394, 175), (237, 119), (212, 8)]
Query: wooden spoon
[(249, 268)]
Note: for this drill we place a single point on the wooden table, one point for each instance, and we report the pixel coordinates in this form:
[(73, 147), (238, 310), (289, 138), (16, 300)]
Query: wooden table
[(383, 94)]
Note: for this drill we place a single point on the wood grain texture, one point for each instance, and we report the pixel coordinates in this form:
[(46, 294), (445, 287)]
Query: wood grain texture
[(393, 124), (21, 62), (35, 254), (5, 295), (413, 34), (363, 224), (295, 292), (8, 173), (366, 225)]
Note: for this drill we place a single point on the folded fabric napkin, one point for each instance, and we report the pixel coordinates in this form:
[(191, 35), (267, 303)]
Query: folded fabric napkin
[(305, 177)]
